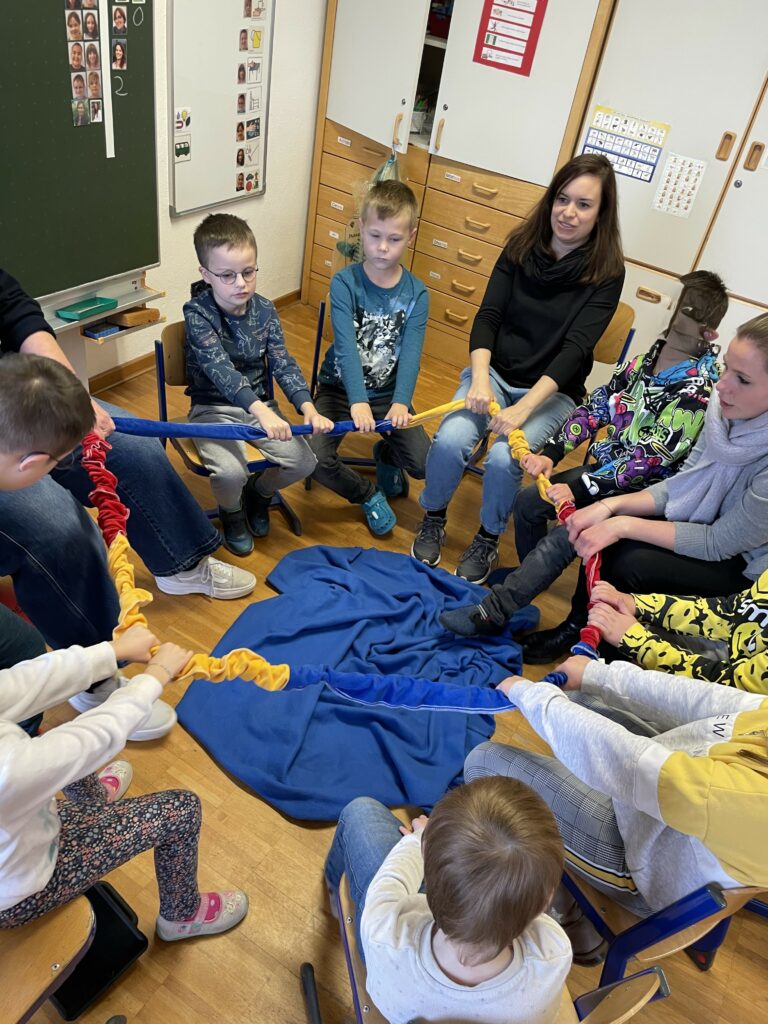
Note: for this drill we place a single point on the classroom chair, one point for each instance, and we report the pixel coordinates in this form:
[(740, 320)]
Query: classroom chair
[(36, 958), (612, 1004), (611, 349), (170, 367), (697, 924)]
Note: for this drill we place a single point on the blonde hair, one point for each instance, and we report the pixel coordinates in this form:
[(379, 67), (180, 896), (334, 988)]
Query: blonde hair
[(387, 199)]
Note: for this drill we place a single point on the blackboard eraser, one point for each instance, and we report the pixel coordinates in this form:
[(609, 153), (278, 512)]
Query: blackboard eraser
[(101, 329), (86, 307)]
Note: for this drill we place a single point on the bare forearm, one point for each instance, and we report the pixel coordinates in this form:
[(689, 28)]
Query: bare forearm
[(638, 503), (658, 532), (41, 343), (480, 364), (543, 389)]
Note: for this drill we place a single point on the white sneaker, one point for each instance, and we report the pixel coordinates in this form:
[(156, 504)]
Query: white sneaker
[(212, 577), (160, 720), (116, 778)]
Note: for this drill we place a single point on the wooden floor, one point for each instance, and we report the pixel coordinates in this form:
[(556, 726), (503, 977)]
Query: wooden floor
[(251, 975)]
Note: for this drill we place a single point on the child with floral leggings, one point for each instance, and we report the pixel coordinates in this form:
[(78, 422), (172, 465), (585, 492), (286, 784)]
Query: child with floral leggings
[(53, 850)]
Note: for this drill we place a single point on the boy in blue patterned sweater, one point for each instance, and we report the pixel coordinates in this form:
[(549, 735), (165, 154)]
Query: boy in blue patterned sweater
[(233, 336), (379, 313)]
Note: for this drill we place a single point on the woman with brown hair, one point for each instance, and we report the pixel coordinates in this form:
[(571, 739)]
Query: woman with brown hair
[(551, 295)]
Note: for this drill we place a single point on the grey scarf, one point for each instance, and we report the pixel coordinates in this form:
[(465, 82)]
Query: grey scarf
[(696, 495)]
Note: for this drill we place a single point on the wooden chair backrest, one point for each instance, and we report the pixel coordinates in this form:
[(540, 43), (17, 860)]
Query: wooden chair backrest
[(623, 1001), (348, 910), (174, 361), (34, 958), (618, 919), (608, 349)]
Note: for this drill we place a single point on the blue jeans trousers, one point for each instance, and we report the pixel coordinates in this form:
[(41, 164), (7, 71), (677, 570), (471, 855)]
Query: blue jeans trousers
[(457, 437), (365, 834), (55, 553)]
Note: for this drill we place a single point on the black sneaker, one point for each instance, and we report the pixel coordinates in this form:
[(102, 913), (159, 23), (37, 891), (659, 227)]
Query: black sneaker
[(477, 561), (550, 644), (256, 507), (428, 540), (237, 539), (471, 620)]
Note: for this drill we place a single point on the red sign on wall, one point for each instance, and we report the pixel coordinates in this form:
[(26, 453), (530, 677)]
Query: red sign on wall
[(508, 34)]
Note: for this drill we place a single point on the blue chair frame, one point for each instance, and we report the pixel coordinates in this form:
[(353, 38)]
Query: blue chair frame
[(192, 462)]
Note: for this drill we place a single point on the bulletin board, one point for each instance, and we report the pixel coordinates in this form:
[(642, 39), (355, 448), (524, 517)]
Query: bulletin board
[(78, 202), (220, 54)]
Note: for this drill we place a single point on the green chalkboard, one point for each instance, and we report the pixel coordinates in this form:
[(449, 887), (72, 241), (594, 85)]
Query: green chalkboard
[(69, 215)]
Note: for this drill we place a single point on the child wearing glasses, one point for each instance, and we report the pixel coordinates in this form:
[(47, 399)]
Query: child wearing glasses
[(233, 336)]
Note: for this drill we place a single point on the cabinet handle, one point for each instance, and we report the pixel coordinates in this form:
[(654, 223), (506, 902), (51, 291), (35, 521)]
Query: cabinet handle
[(726, 145), (647, 295), (396, 129), (483, 190), (754, 156), (478, 225), (374, 152), (463, 289), (438, 137), (468, 257), (455, 317)]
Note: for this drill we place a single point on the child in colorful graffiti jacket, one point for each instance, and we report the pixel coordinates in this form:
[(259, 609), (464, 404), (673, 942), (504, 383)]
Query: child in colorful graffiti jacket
[(721, 639), (654, 409)]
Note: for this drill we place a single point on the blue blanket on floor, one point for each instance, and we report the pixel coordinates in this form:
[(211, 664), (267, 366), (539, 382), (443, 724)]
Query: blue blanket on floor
[(308, 750)]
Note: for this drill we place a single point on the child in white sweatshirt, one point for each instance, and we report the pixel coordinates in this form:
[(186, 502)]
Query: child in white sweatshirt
[(52, 850)]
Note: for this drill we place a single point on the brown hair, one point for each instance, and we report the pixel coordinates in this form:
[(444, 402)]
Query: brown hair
[(221, 230), (493, 858), (606, 259), (43, 406), (389, 199), (756, 330)]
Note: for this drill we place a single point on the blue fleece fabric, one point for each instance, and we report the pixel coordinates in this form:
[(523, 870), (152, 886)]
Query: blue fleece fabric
[(309, 750)]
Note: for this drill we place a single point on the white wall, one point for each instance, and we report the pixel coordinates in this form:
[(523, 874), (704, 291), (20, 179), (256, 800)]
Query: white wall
[(278, 218)]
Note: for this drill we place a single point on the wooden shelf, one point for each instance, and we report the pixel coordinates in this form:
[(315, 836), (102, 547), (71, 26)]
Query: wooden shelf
[(121, 332), (125, 300)]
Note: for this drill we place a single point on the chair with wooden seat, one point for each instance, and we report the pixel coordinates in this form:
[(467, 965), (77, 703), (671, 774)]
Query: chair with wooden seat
[(611, 1004), (611, 349), (36, 958), (697, 923), (171, 370)]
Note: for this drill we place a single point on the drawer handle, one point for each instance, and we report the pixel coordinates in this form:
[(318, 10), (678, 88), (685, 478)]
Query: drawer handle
[(469, 257), (483, 190), (455, 317), (478, 225), (463, 289), (374, 152), (754, 156), (723, 151), (647, 295), (396, 129), (438, 137)]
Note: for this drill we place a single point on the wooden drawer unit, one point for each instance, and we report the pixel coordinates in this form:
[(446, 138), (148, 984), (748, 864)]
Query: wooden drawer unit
[(449, 347), (322, 261), (328, 232), (494, 190), (451, 311), (318, 290), (447, 278), (469, 218), (452, 247), (351, 146), (334, 204), (347, 176)]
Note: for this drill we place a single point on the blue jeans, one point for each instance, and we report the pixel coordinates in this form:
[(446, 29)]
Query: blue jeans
[(457, 437), (365, 834), (55, 553)]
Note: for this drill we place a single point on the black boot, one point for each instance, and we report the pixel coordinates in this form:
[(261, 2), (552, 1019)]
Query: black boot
[(471, 620), (550, 644), (237, 539), (256, 507)]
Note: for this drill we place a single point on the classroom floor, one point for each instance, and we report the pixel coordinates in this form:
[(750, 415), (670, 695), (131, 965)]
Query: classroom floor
[(251, 974)]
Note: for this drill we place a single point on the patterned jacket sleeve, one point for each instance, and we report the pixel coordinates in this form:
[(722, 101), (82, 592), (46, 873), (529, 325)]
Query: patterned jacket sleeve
[(284, 367), (204, 344)]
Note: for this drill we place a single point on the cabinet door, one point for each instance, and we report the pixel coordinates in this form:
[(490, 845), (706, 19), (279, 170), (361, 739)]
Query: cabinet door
[(377, 50), (735, 245), (503, 121), (698, 68)]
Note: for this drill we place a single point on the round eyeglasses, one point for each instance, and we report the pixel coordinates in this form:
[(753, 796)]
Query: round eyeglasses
[(229, 276)]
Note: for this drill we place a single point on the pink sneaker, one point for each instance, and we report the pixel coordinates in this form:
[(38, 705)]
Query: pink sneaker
[(116, 778), (218, 912)]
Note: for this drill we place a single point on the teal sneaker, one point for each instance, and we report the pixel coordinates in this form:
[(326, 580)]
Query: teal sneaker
[(379, 516), (391, 480)]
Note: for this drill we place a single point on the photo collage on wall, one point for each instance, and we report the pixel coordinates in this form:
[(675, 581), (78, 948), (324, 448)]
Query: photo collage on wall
[(87, 65), (248, 109)]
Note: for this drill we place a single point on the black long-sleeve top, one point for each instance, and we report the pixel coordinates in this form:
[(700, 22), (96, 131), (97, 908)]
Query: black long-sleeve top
[(20, 315), (538, 319)]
